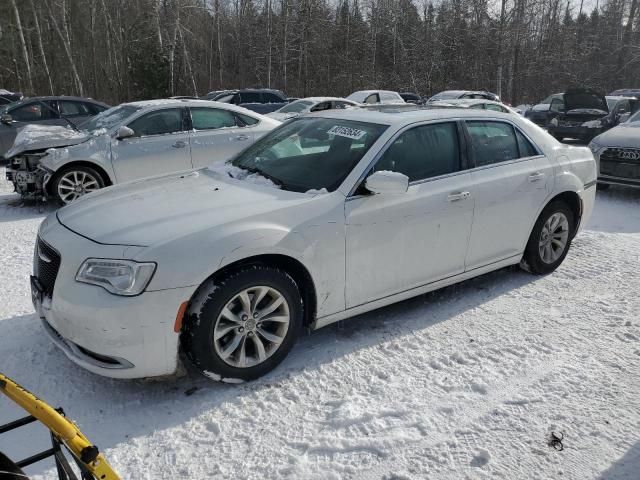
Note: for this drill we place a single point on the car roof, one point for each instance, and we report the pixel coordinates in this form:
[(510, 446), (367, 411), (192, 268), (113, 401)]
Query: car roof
[(322, 99), (403, 116), (63, 97), (372, 91), (186, 102), (465, 101)]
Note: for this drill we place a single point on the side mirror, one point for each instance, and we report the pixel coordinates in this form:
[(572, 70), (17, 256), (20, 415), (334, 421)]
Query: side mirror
[(623, 117), (385, 181), (124, 132), (6, 119)]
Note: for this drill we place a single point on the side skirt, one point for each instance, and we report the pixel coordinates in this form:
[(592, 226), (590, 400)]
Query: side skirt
[(414, 292)]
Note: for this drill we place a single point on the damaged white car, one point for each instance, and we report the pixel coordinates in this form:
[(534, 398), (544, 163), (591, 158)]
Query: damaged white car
[(128, 142), (330, 215)]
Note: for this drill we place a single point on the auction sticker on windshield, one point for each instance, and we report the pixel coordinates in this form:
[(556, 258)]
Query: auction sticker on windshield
[(347, 132)]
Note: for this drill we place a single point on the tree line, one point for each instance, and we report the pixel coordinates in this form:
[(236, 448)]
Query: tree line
[(122, 50)]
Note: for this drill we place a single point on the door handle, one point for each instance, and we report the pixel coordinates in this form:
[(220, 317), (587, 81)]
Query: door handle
[(534, 177), (241, 138), (454, 197), (179, 144)]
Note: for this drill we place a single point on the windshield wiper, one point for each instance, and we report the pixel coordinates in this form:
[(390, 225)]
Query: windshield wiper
[(262, 173)]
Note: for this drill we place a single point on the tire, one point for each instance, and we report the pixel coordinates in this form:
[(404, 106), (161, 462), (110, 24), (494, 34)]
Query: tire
[(545, 259), (603, 186), (218, 310), (71, 183)]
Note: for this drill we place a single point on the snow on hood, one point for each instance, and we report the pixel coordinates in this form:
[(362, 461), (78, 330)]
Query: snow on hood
[(624, 135), (149, 211), (41, 137)]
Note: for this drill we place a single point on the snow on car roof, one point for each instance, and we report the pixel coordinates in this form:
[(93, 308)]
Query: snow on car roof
[(404, 116)]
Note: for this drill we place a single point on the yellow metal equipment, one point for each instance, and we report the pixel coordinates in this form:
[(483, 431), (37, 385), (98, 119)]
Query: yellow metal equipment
[(64, 432)]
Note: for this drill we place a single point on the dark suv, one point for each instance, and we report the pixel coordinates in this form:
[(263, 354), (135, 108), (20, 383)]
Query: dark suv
[(259, 100)]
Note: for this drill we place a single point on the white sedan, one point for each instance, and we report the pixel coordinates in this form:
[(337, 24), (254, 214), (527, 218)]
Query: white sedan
[(311, 104), (131, 141), (328, 216)]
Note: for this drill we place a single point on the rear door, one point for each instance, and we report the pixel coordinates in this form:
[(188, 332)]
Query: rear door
[(216, 136), (160, 145), (511, 181)]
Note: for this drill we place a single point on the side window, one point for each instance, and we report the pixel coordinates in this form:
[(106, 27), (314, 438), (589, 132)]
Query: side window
[(322, 106), (373, 98), (478, 106), (271, 98), (246, 120), (423, 152), (340, 105), (557, 105), (525, 147), (94, 109), (211, 118), (158, 123), (250, 97), (32, 112), (492, 142), (494, 107), (72, 109)]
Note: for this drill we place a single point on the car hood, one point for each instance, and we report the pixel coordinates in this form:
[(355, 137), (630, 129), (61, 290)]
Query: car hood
[(150, 211), (585, 99), (541, 107), (42, 137), (624, 135)]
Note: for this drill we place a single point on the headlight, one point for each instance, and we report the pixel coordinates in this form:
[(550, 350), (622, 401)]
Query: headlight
[(120, 277), (594, 147), (554, 122), (592, 124)]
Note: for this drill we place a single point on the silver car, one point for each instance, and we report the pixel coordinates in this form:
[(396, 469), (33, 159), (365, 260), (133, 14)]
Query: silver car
[(311, 104), (617, 153), (128, 142)]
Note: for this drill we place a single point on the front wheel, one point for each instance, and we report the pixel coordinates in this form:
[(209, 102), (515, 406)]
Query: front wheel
[(241, 326), (550, 239), (73, 182)]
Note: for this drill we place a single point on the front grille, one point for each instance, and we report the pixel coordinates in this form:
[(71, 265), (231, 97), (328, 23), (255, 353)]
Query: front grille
[(624, 155), (46, 265)]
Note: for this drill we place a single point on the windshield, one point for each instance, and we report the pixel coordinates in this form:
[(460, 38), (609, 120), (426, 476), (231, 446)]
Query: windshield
[(296, 107), (110, 118), (635, 117), (310, 153), (445, 96)]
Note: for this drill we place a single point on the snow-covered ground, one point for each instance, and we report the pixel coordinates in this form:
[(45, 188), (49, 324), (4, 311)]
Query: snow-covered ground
[(464, 383)]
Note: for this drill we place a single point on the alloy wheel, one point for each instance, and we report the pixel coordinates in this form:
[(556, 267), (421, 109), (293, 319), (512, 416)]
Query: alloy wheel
[(553, 237), (74, 184), (251, 327)]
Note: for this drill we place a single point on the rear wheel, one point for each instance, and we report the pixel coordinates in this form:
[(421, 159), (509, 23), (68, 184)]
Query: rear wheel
[(73, 182), (550, 239), (241, 326)]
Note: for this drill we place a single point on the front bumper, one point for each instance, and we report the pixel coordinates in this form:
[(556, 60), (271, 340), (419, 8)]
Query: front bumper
[(114, 336), (582, 133)]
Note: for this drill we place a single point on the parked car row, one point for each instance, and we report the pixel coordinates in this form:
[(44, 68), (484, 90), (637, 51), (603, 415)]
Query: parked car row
[(128, 142)]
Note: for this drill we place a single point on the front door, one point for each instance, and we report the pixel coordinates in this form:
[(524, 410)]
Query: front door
[(216, 136), (160, 145), (511, 182), (402, 241)]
